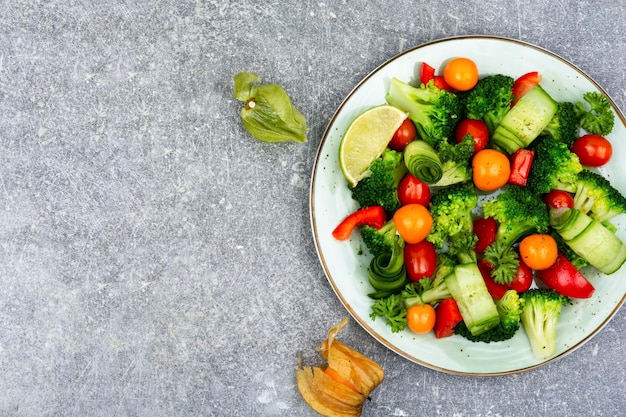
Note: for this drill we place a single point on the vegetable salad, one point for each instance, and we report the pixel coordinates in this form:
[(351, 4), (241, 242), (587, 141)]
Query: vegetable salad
[(437, 265)]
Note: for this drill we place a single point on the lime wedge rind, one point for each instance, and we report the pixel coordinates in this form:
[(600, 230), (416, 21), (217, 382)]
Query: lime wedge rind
[(366, 138)]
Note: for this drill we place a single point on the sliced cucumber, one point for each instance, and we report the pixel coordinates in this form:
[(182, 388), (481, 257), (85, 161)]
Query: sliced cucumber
[(590, 239), (570, 223), (525, 121), (467, 287)]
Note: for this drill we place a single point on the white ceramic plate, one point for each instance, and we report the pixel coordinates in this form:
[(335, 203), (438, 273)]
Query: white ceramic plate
[(330, 202)]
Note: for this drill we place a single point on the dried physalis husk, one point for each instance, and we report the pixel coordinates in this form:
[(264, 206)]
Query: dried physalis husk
[(268, 113), (341, 388)]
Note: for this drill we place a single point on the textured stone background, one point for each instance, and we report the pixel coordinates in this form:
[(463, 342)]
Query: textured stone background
[(155, 260)]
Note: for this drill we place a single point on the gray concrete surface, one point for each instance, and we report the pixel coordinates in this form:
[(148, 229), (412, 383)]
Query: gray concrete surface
[(155, 260)]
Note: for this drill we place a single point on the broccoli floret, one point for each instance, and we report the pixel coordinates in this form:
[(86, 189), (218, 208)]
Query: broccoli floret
[(489, 100), (456, 161), (554, 167), (518, 212), (563, 126), (379, 241), (462, 246), (510, 310), (380, 187), (598, 118), (540, 315), (596, 197), (445, 266), (435, 112), (451, 208)]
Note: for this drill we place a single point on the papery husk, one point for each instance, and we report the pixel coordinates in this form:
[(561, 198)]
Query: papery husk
[(362, 372), (330, 397), (268, 114), (327, 396)]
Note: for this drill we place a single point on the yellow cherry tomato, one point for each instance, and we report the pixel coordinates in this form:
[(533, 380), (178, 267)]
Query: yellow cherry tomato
[(413, 222), (490, 169), (461, 74), (420, 318), (538, 251)]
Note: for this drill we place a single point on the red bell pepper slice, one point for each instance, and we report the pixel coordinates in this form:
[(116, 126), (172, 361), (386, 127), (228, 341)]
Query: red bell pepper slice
[(485, 229), (441, 84), (564, 278), (524, 84), (373, 216), (521, 160), (427, 73), (447, 316)]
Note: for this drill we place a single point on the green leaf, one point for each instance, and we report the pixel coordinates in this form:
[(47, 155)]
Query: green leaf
[(242, 85), (505, 260), (268, 113)]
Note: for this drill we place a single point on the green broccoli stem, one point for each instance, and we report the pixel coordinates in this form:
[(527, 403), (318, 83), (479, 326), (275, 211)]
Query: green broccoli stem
[(462, 245), (431, 296), (399, 172), (540, 315), (453, 173), (509, 233)]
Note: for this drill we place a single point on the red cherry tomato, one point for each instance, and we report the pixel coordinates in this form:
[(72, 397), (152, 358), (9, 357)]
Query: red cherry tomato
[(496, 290), (485, 229), (524, 84), (477, 129), (420, 260), (412, 190), (405, 134), (558, 199), (564, 278), (522, 281), (593, 150)]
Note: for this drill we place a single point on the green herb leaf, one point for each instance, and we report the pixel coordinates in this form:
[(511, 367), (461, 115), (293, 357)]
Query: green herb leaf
[(268, 113), (505, 260), (393, 310)]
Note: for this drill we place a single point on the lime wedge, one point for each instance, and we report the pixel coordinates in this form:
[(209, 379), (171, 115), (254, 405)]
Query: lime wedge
[(366, 138)]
